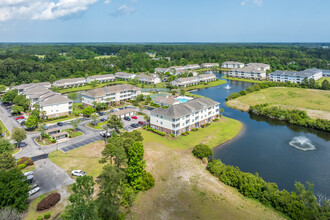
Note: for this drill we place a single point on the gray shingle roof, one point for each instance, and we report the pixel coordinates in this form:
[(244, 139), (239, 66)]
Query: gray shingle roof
[(304, 73), (186, 108), (99, 92)]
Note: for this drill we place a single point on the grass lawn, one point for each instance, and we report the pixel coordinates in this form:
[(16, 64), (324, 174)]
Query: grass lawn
[(44, 141), (184, 189), (98, 126), (16, 150), (4, 129), (217, 133), (211, 69), (244, 80), (59, 120), (315, 102), (89, 87), (322, 79), (76, 134), (209, 84), (85, 158)]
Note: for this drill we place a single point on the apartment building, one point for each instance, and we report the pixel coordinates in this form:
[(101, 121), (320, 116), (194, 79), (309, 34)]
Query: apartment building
[(295, 77), (101, 78), (22, 87), (74, 82), (124, 76), (192, 67), (232, 65), (326, 73), (210, 65), (148, 79), (255, 71), (208, 77), (183, 117), (109, 94), (162, 70), (185, 81)]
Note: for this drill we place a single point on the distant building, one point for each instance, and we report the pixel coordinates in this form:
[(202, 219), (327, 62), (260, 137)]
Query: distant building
[(210, 65), (124, 76), (255, 71), (22, 87), (148, 79), (73, 82), (161, 70), (261, 66), (208, 77), (117, 93), (295, 77), (185, 81), (192, 67), (101, 78), (326, 73), (183, 117), (232, 65), (166, 101)]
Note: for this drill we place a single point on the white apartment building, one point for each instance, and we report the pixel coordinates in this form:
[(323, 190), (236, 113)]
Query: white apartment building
[(124, 76), (162, 70), (148, 79), (326, 73), (295, 77), (185, 81), (192, 67), (210, 65), (255, 71), (183, 117), (22, 87), (232, 65), (109, 94), (64, 83), (101, 78), (207, 77)]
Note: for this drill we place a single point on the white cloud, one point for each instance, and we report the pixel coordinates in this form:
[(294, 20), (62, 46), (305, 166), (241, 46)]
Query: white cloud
[(123, 10), (243, 3), (41, 9), (107, 1), (255, 2)]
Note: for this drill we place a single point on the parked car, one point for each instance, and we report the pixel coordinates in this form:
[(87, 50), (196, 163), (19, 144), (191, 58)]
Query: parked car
[(29, 178), (101, 113), (60, 123), (142, 123), (134, 117), (127, 118), (78, 173), (103, 119), (45, 127), (22, 144), (134, 125), (121, 108), (28, 173), (112, 110), (33, 186), (150, 108), (34, 191), (105, 134), (21, 120), (20, 117)]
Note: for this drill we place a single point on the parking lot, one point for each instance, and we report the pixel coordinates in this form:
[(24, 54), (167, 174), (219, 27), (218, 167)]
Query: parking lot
[(128, 124), (49, 177), (82, 143)]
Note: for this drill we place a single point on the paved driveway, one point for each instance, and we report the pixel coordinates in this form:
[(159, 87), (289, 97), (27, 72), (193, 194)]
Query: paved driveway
[(127, 124), (49, 177)]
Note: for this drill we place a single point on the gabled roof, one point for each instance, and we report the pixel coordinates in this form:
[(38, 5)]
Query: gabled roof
[(100, 92), (71, 80), (53, 99), (102, 76), (124, 74), (189, 107), (207, 75), (233, 62)]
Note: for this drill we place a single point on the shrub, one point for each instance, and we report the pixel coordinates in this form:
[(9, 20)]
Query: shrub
[(53, 140), (148, 181), (21, 166), (51, 200), (194, 129), (39, 218), (25, 160), (243, 92), (216, 119), (202, 150), (47, 215), (171, 135)]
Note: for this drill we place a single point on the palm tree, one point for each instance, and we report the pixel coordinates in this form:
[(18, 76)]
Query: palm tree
[(221, 110), (42, 130), (94, 118), (43, 114), (75, 123)]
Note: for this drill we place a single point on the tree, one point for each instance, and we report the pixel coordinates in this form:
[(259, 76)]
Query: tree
[(75, 123), (115, 123), (17, 109), (32, 121), (7, 161), (94, 117), (9, 96), (82, 204), (115, 153), (5, 145), (88, 111), (43, 114), (14, 189), (73, 95), (52, 78), (94, 83), (182, 91), (10, 214), (221, 110), (139, 98), (136, 165), (326, 85), (22, 101), (202, 150), (42, 129), (18, 134), (2, 88), (112, 187)]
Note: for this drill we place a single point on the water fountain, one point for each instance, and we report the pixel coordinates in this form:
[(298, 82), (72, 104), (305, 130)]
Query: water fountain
[(227, 87), (302, 143)]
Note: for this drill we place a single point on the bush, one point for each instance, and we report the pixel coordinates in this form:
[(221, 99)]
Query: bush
[(27, 161), (21, 166), (154, 130), (39, 218), (148, 181), (53, 140), (47, 215), (171, 135), (201, 151), (194, 129), (51, 200)]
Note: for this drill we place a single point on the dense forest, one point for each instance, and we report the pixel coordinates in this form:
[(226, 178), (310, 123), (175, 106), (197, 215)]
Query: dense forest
[(25, 63)]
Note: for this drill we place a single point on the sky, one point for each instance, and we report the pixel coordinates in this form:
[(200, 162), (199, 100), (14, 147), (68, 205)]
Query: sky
[(164, 21)]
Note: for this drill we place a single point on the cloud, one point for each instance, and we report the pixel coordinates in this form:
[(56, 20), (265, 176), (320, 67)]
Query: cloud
[(107, 1), (255, 2), (41, 9), (123, 10)]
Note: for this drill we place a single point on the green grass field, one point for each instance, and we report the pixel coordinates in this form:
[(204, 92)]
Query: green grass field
[(98, 126), (210, 84), (243, 80), (217, 133), (4, 129)]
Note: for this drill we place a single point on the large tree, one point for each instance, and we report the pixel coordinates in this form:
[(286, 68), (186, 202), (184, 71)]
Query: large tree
[(136, 165), (18, 134), (82, 204), (5, 145), (75, 123), (7, 161), (115, 123), (14, 189), (9, 96)]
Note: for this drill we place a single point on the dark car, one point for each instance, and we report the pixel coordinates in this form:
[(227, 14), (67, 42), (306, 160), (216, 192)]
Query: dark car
[(150, 108), (142, 123), (121, 108), (21, 144), (127, 118), (60, 123), (101, 113), (103, 119), (134, 125)]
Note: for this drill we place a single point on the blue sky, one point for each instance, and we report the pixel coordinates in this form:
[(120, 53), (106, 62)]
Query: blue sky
[(164, 21)]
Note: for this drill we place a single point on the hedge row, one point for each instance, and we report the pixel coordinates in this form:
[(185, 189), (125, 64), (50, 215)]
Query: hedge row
[(295, 116), (155, 131), (51, 200)]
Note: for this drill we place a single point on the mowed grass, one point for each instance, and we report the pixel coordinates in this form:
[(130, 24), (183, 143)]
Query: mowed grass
[(243, 80), (217, 133), (209, 84), (184, 189), (290, 97), (4, 129), (85, 158)]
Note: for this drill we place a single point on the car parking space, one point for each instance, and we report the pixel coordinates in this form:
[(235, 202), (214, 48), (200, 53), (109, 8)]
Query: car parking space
[(82, 143), (128, 124), (49, 177)]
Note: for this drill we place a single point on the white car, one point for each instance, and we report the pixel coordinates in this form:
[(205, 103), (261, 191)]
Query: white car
[(78, 173), (33, 191), (28, 173)]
